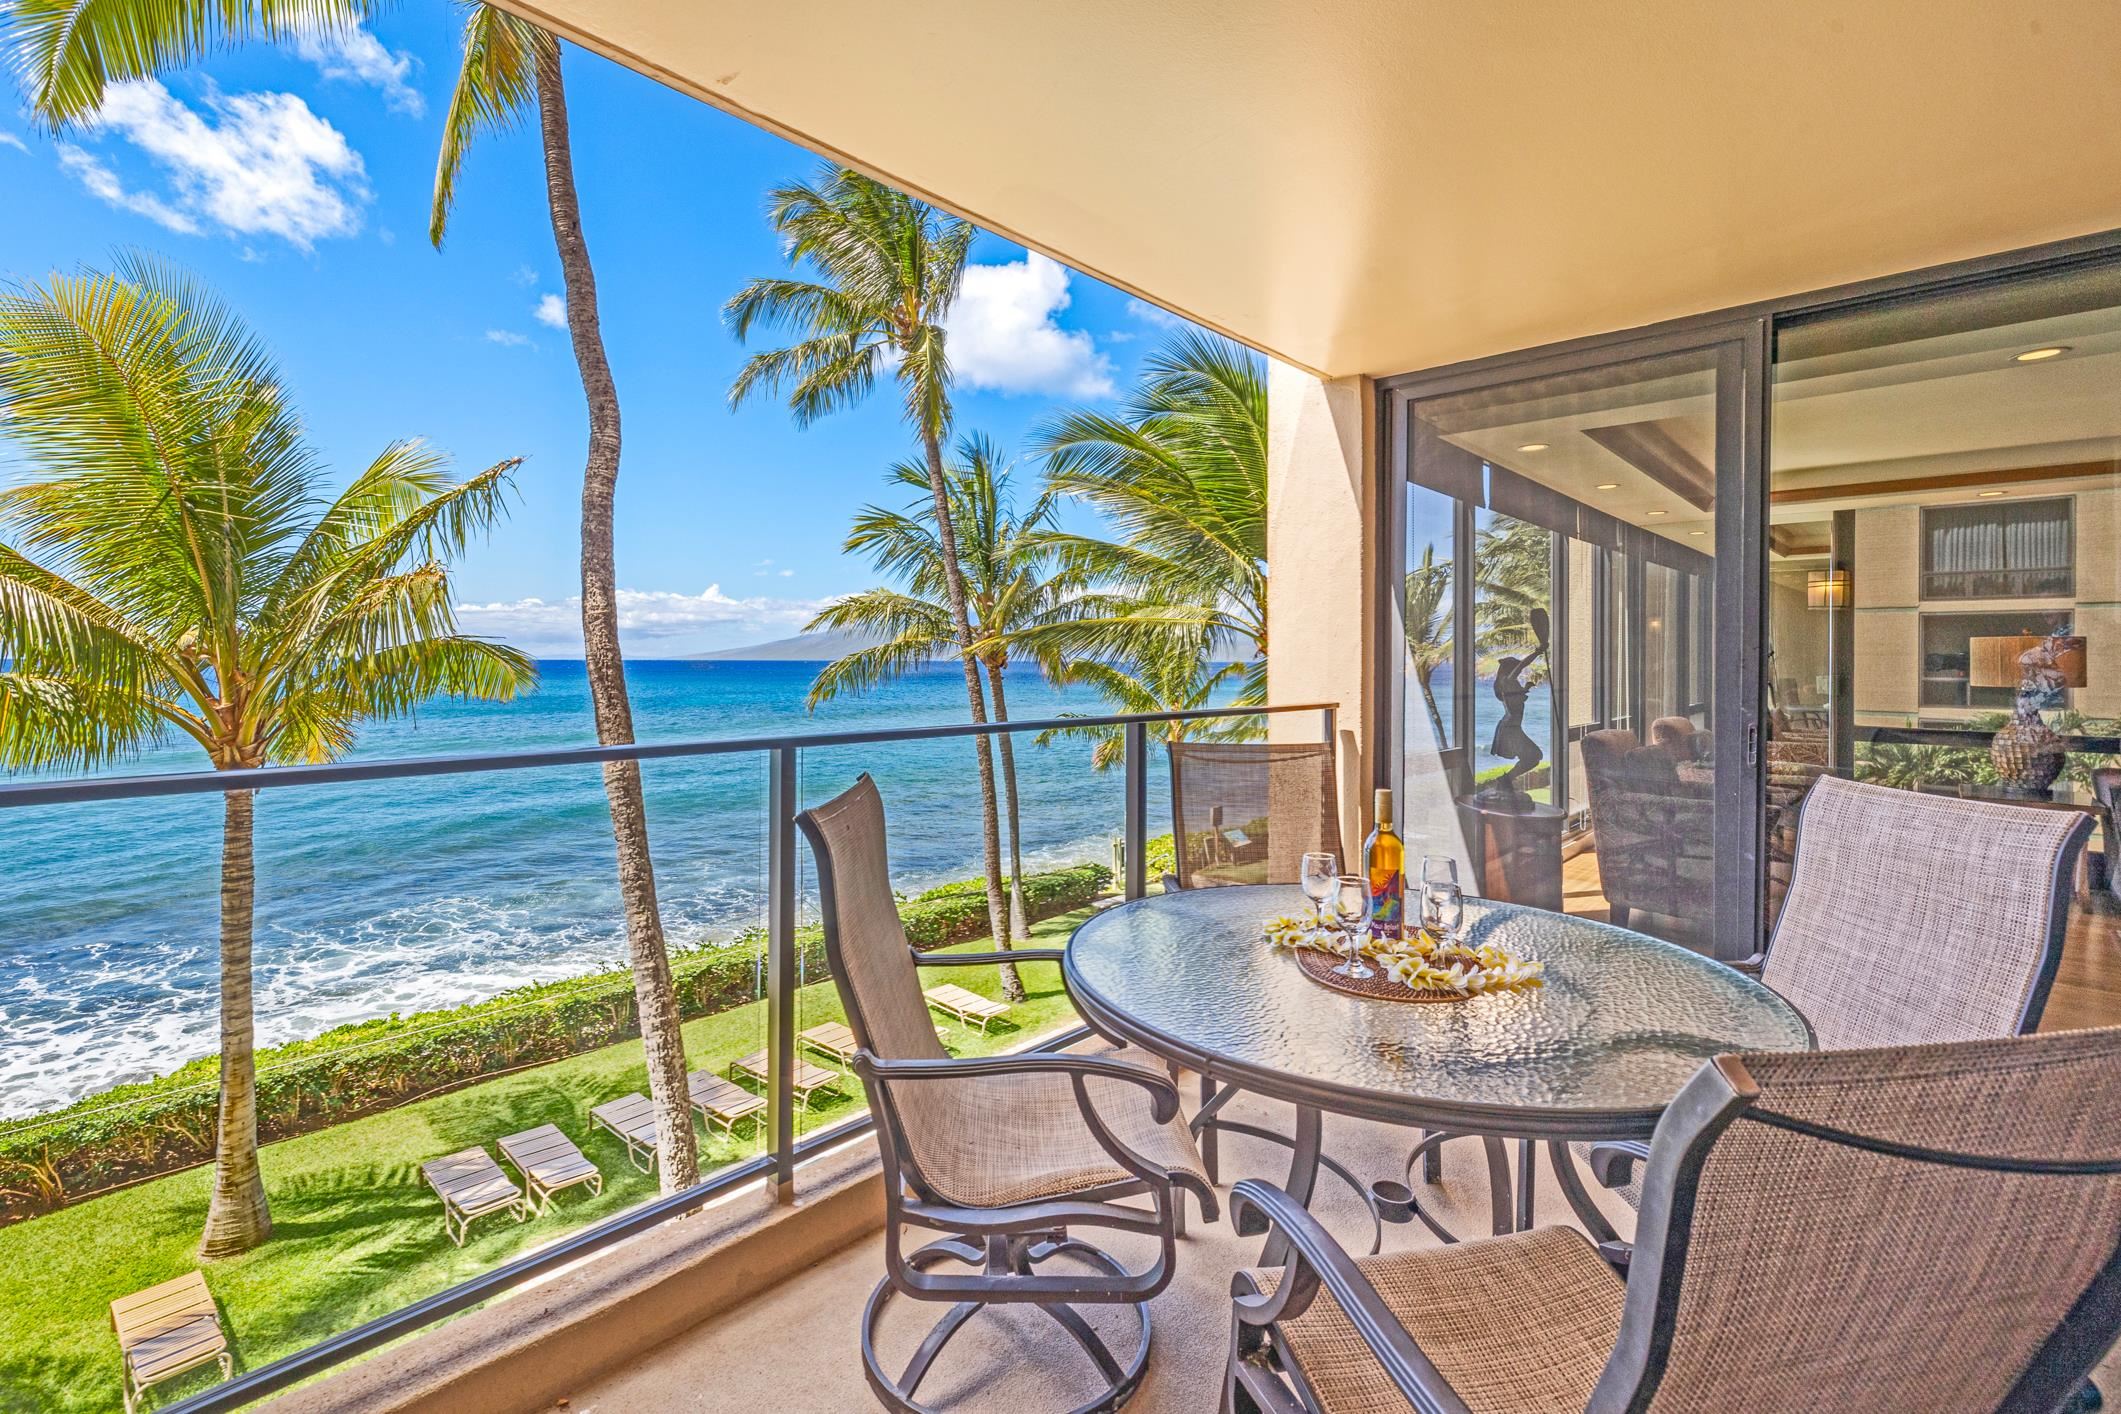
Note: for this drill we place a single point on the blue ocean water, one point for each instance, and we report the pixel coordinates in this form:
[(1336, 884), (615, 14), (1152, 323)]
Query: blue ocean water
[(400, 895)]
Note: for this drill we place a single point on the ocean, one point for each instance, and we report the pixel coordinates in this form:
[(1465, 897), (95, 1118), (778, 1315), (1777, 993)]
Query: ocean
[(399, 896)]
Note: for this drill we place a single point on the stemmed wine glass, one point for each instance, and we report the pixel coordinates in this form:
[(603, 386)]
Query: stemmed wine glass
[(1448, 902), (1320, 871), (1436, 870), (1351, 906)]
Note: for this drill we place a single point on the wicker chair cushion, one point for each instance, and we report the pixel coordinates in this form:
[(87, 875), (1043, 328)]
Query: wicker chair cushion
[(1820, 1276), (1517, 1325), (1914, 918), (1004, 1139)]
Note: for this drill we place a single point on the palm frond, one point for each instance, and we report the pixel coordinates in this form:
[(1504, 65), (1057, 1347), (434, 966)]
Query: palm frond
[(496, 85)]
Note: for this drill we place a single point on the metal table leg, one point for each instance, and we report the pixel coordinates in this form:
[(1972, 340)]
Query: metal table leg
[(1303, 1177)]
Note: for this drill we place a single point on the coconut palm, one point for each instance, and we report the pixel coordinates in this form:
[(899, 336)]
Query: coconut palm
[(172, 569), (1170, 674), (1181, 472), (884, 270), (1427, 620), (1006, 590), (512, 67)]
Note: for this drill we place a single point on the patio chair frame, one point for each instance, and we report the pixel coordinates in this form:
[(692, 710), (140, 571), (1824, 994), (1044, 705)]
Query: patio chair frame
[(1720, 1094), (457, 1217), (1613, 1162), (536, 1191), (1005, 1244), (636, 1147)]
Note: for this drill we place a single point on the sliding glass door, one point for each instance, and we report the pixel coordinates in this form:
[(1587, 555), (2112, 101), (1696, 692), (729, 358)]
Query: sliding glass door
[(1576, 717)]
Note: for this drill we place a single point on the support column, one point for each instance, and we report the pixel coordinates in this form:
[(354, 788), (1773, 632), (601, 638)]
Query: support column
[(1325, 541)]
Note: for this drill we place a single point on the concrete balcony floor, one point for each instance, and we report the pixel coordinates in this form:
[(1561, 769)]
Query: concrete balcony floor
[(797, 1347)]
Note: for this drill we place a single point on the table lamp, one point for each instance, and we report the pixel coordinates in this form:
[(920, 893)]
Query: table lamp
[(2028, 752)]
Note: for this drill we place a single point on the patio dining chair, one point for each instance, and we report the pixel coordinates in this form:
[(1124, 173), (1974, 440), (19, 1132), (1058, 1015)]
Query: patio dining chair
[(1909, 918), (1911, 1229), (1248, 812), (1006, 1155)]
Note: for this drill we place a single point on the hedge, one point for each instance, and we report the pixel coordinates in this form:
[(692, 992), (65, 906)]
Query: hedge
[(138, 1131)]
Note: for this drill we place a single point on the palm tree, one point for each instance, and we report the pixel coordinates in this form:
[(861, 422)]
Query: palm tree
[(511, 66), (887, 269), (1427, 619), (1169, 675), (1006, 591), (173, 570), (1181, 472)]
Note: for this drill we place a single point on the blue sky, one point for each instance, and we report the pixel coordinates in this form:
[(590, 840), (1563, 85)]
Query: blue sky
[(296, 182)]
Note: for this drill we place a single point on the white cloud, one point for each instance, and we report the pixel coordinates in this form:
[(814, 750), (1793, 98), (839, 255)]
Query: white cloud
[(551, 310), (102, 182), (524, 276), (254, 163), (8, 139), (359, 57), (1003, 335), (507, 338), (1149, 313), (645, 617)]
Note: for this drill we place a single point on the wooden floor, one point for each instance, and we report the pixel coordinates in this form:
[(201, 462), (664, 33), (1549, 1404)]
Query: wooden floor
[(2087, 987)]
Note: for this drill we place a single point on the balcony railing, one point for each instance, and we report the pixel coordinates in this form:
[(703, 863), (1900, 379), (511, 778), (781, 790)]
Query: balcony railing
[(784, 1145)]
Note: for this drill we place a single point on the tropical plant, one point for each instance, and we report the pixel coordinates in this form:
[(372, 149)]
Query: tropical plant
[(1170, 674), (1181, 473), (511, 67), (1427, 617), (885, 270), (1514, 558), (173, 570), (1006, 591)]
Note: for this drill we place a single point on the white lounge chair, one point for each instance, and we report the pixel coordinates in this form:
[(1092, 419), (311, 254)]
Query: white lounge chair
[(723, 1102), (967, 1006), (632, 1119), (471, 1185), (165, 1331), (549, 1162)]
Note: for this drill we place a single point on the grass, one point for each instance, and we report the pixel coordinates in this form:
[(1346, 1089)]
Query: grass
[(356, 1233)]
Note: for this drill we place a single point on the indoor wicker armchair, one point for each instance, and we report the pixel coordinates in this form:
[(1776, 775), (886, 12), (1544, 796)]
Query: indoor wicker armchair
[(1821, 1231), (1909, 918), (1004, 1155)]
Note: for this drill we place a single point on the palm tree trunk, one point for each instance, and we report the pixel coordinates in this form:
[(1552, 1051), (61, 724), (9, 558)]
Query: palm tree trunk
[(954, 590), (1019, 916), (662, 1039), (237, 1218)]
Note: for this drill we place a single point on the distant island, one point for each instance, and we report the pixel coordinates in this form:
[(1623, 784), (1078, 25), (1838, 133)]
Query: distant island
[(803, 648)]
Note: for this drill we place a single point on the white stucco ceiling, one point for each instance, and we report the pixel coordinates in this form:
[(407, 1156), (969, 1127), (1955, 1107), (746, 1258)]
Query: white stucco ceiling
[(1372, 186)]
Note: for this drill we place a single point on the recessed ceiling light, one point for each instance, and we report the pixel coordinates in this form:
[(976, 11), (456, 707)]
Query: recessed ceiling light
[(1697, 533), (1660, 513), (2035, 355), (1533, 447), (1984, 495), (1608, 486)]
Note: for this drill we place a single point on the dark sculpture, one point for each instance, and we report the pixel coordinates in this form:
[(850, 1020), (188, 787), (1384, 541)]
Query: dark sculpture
[(1510, 740)]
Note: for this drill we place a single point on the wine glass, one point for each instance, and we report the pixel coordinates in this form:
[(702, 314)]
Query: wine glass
[(1351, 906), (1448, 902), (1320, 873), (1435, 869)]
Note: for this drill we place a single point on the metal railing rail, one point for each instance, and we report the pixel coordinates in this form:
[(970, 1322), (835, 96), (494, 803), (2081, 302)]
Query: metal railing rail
[(777, 1166)]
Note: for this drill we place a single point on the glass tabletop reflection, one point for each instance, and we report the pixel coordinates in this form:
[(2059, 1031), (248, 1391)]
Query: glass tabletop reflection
[(1598, 1051)]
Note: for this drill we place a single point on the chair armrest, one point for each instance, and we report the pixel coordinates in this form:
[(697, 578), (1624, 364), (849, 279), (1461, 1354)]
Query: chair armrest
[(1315, 1259), (1613, 1162), (1172, 883), (1750, 966), (984, 959)]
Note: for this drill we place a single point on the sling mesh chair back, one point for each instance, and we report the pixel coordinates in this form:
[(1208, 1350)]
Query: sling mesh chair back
[(1002, 1154), (1910, 1229), (1248, 812), (1909, 918)]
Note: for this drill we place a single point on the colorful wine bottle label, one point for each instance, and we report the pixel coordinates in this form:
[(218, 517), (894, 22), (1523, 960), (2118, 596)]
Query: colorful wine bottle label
[(1385, 897)]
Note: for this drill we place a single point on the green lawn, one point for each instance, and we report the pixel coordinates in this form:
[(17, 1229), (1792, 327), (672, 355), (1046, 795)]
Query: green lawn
[(355, 1231)]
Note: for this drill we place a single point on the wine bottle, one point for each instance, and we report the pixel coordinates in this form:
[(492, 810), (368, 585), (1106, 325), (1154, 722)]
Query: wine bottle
[(1384, 859)]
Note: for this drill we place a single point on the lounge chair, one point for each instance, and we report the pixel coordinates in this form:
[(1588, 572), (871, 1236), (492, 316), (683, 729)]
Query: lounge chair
[(834, 1038), (548, 1161), (631, 1118), (723, 1102), (809, 1077), (166, 1331), (471, 1185), (968, 1007)]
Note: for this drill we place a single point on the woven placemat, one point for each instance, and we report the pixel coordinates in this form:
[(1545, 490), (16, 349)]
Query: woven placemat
[(1319, 968)]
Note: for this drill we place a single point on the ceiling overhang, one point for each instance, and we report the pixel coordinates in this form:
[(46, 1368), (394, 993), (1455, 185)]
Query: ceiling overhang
[(1376, 186)]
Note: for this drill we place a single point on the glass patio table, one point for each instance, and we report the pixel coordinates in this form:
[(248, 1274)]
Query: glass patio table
[(1596, 1053)]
